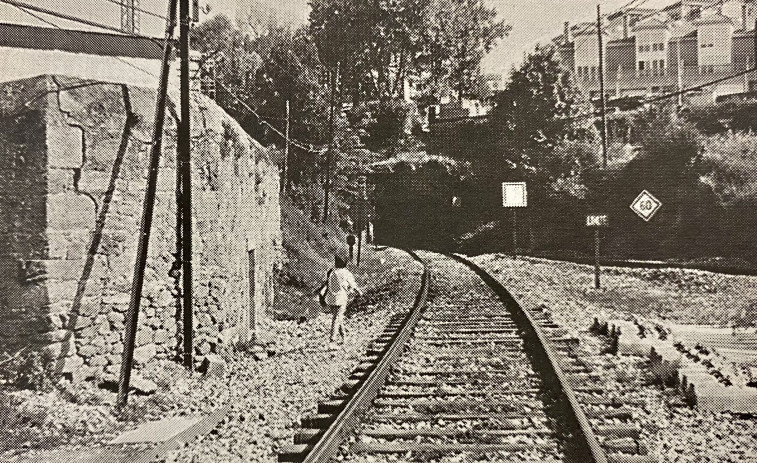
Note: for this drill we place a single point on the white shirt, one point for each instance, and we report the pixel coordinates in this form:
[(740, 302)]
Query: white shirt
[(340, 282)]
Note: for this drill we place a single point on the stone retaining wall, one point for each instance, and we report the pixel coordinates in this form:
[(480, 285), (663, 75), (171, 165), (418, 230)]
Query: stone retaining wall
[(74, 158)]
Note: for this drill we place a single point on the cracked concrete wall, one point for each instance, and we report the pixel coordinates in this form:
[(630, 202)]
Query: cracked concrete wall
[(77, 156)]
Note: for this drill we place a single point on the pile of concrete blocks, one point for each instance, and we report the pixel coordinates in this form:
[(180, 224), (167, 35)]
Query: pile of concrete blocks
[(674, 365)]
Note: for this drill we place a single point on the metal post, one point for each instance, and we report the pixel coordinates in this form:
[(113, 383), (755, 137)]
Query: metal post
[(596, 258), (603, 108), (359, 244), (755, 49), (680, 73), (287, 167), (132, 316), (515, 232), (184, 153)]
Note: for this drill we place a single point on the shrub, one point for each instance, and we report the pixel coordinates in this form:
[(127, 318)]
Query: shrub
[(26, 370), (728, 167)]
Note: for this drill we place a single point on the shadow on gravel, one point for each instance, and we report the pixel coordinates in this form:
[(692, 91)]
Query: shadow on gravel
[(375, 299)]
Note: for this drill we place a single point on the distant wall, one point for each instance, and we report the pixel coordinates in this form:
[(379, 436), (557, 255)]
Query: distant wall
[(73, 158)]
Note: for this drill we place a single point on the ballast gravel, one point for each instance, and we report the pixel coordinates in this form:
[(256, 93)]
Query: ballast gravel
[(269, 397)]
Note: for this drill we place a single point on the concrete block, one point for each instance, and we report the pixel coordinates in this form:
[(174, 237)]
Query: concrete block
[(89, 350), (70, 211), (89, 306), (58, 350), (98, 361), (60, 180), (61, 290), (214, 366), (65, 144), (71, 364), (95, 182), (144, 354)]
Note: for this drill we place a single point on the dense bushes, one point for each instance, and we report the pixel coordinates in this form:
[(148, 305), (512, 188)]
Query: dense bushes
[(707, 185), (719, 118)]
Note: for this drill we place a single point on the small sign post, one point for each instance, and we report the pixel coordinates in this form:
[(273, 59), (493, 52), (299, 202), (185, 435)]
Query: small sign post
[(596, 222), (514, 195), (351, 243)]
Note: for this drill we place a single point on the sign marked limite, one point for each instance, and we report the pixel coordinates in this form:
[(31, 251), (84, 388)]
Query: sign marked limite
[(597, 221), (645, 205)]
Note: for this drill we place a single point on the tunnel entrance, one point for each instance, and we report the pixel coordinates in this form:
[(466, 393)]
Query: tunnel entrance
[(414, 207)]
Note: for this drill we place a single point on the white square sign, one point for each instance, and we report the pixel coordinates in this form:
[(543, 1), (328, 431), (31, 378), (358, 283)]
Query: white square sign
[(514, 194)]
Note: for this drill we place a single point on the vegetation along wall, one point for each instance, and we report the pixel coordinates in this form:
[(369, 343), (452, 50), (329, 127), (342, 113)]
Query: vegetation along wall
[(74, 159)]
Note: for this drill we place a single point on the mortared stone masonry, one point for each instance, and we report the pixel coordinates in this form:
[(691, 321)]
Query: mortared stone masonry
[(73, 162)]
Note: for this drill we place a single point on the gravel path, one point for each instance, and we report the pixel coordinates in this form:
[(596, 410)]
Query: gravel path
[(269, 397), (674, 433)]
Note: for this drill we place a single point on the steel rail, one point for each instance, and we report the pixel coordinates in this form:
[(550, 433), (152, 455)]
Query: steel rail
[(528, 323), (345, 422)]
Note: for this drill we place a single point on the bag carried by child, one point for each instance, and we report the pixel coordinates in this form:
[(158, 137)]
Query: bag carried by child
[(324, 289)]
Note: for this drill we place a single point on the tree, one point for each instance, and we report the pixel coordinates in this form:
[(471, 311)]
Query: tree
[(539, 120), (265, 68), (458, 36), (374, 46), (234, 61)]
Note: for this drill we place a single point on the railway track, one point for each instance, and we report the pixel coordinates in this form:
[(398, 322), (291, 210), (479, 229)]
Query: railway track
[(468, 375)]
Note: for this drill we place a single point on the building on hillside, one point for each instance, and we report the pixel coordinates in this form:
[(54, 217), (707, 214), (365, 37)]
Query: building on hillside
[(495, 82), (684, 45)]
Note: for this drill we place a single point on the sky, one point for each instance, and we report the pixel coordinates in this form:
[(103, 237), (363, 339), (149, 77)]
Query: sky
[(532, 20)]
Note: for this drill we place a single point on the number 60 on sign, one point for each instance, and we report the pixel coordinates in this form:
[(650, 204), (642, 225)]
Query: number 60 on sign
[(645, 205)]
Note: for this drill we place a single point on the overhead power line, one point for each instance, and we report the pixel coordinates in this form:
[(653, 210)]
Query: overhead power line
[(50, 23), (666, 96), (76, 19), (136, 8), (698, 87), (298, 144)]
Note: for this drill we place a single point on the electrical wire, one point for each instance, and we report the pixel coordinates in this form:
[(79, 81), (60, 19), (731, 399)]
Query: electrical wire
[(141, 10), (296, 143), (76, 19), (50, 23), (666, 96), (592, 24)]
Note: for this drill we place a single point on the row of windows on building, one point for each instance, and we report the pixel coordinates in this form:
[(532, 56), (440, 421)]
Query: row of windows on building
[(655, 67), (652, 47), (652, 68)]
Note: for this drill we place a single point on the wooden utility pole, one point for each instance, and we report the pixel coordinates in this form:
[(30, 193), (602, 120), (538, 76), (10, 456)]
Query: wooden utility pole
[(603, 107), (132, 316), (330, 153), (755, 47), (184, 156), (287, 165)]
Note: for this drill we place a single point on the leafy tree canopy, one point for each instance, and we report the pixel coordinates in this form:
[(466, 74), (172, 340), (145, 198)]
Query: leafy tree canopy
[(376, 44), (542, 122)]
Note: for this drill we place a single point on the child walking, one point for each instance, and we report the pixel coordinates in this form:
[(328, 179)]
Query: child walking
[(340, 282)]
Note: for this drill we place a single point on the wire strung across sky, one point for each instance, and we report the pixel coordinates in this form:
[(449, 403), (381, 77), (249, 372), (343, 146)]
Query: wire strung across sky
[(141, 10), (712, 4), (50, 23), (592, 23), (298, 144), (666, 96), (27, 6)]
